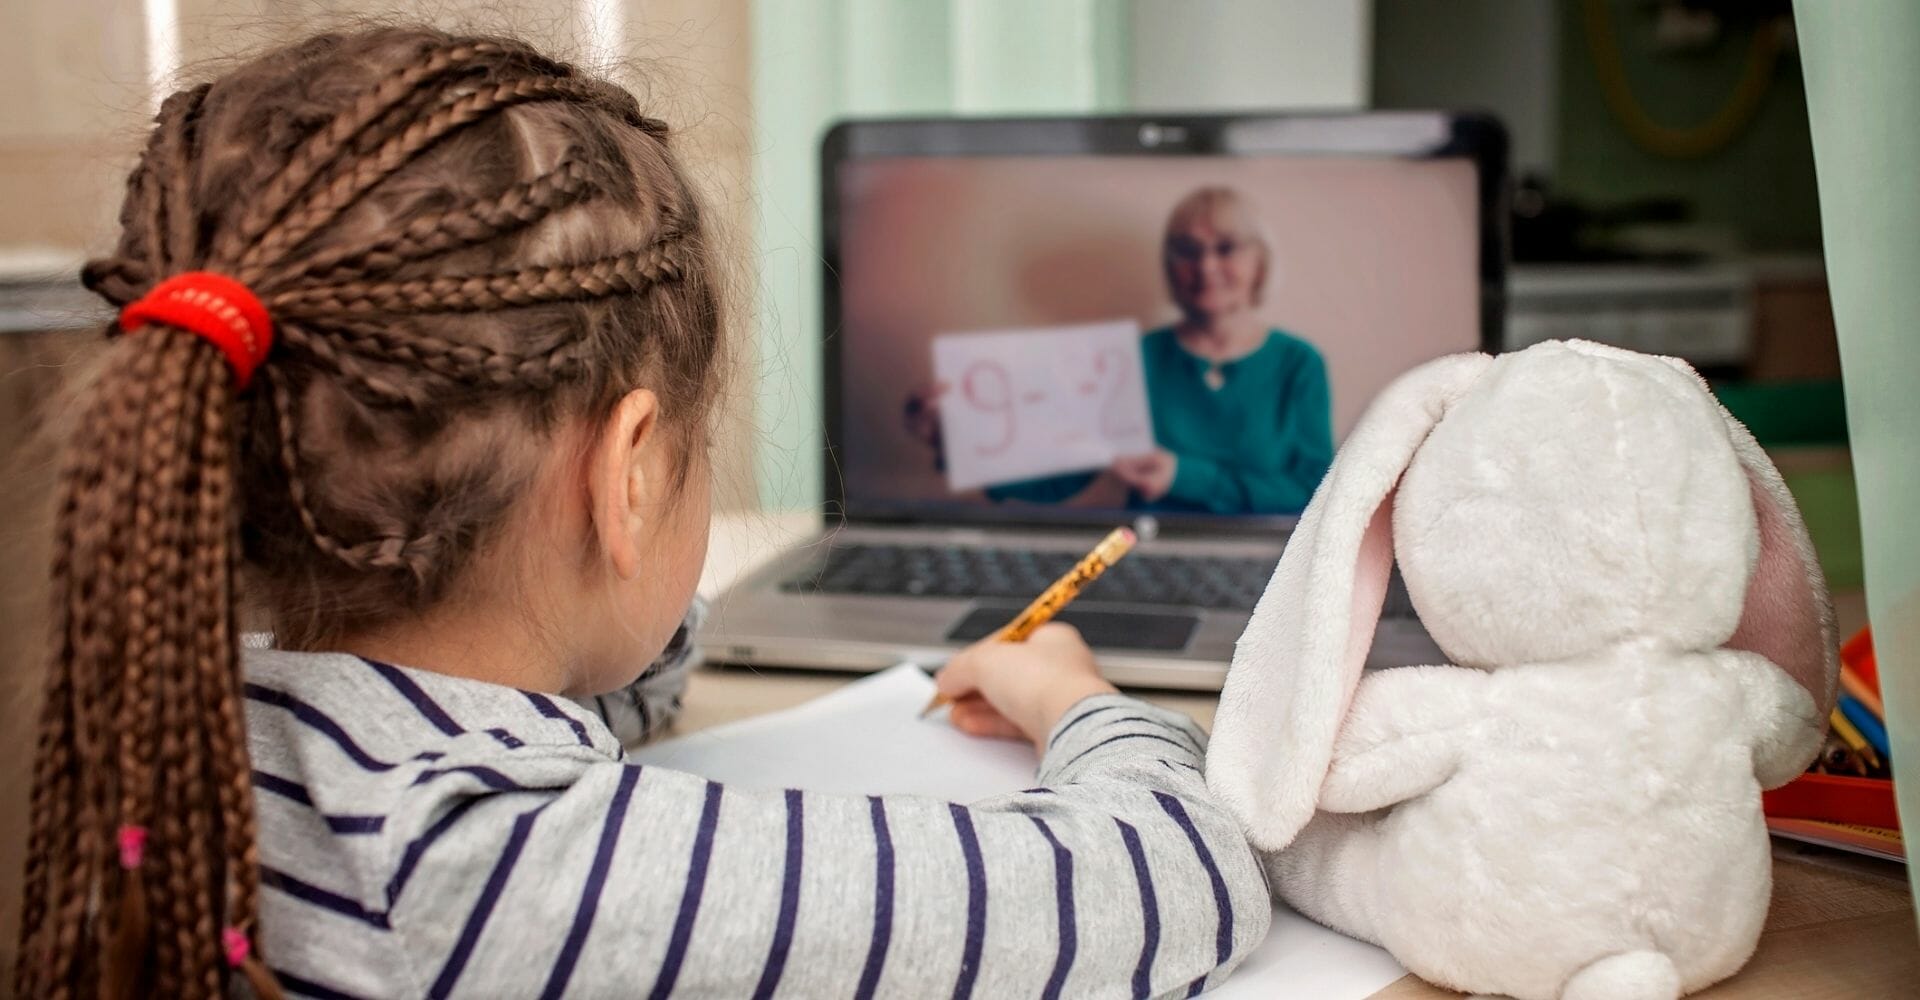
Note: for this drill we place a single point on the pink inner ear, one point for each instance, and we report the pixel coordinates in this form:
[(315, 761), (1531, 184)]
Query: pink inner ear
[(1371, 571), (1781, 620)]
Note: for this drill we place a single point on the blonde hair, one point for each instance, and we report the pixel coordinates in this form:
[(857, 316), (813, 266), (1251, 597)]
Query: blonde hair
[(1230, 210)]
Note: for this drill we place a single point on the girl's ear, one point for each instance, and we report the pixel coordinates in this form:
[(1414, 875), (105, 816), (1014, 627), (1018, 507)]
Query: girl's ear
[(624, 481)]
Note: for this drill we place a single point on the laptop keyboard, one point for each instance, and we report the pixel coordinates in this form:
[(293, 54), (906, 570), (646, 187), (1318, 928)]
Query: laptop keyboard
[(1221, 583)]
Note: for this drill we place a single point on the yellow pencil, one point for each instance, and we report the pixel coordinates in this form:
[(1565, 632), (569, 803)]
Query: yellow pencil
[(1055, 597), (1863, 694), (1846, 732)]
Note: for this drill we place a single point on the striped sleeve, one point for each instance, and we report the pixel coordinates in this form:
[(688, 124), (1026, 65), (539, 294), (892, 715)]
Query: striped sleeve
[(1122, 878)]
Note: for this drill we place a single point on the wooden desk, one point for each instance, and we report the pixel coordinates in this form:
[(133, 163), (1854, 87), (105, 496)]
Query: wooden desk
[(1838, 928)]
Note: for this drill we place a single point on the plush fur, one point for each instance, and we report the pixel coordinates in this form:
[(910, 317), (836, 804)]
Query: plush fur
[(1641, 642)]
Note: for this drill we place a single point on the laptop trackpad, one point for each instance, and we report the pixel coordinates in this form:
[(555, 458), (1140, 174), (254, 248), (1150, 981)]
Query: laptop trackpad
[(1153, 630)]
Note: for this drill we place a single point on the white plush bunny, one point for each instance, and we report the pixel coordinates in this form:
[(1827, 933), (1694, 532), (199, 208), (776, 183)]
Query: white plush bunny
[(1642, 642)]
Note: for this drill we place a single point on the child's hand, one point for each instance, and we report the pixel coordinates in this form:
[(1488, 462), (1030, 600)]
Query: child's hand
[(1020, 689)]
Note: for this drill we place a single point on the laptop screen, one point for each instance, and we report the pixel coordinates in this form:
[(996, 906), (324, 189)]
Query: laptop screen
[(1060, 337)]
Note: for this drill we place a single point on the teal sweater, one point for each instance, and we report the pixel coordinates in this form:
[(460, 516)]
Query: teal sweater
[(1257, 445)]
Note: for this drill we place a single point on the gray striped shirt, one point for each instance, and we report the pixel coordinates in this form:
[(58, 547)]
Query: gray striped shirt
[(425, 835)]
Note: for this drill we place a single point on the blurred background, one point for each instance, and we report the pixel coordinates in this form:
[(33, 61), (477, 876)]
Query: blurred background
[(1664, 197), (1664, 193)]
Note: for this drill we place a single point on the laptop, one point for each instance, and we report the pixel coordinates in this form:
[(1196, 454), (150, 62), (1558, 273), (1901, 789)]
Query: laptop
[(1041, 329)]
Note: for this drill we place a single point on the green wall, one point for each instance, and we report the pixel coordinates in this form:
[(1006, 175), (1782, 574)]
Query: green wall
[(1761, 184)]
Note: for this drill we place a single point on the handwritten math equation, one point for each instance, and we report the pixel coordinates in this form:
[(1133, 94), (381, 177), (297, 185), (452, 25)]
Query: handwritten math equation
[(1037, 402)]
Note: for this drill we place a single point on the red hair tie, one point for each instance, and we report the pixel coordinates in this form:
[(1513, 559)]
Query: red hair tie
[(214, 306)]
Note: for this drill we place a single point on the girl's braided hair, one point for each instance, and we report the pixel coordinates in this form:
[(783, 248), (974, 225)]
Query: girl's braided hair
[(463, 245)]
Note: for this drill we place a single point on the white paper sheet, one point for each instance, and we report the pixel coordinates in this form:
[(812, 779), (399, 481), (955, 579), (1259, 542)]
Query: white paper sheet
[(1026, 403), (867, 738)]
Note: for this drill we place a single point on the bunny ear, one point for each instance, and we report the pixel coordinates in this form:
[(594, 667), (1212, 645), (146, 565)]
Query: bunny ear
[(1788, 617), (1298, 662)]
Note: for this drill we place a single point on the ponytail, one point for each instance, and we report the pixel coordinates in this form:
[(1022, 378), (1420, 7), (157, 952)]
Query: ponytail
[(259, 218), (141, 877)]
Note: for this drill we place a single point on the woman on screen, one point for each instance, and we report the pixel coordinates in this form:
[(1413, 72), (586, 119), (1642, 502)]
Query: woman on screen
[(1241, 411)]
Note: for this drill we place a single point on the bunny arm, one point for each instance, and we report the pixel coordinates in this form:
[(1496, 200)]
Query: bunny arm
[(1402, 737), (1788, 728)]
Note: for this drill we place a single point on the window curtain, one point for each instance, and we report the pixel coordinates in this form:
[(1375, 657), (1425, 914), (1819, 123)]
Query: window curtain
[(1862, 67), (818, 61)]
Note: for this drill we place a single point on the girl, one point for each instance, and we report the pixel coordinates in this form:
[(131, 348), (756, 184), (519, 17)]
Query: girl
[(422, 331)]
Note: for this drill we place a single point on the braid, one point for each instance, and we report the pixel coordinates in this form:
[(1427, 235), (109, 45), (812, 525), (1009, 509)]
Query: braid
[(322, 150), (191, 855), (119, 749), (54, 764), (163, 153), (54, 868), (151, 655), (346, 188), (50, 810), (199, 858), (71, 861), (173, 872), (100, 545), (617, 275), (364, 377), (396, 551), (216, 635), (151, 643), (176, 221), (361, 351), (523, 206)]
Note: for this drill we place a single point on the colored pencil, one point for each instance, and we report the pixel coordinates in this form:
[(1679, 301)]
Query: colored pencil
[(1118, 543), (1855, 686), (1852, 738), (1869, 726)]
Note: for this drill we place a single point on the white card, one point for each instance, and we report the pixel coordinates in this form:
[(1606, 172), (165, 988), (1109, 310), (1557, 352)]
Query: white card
[(1022, 404)]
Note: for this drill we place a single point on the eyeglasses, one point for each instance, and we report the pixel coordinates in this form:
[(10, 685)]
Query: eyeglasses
[(1188, 250)]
